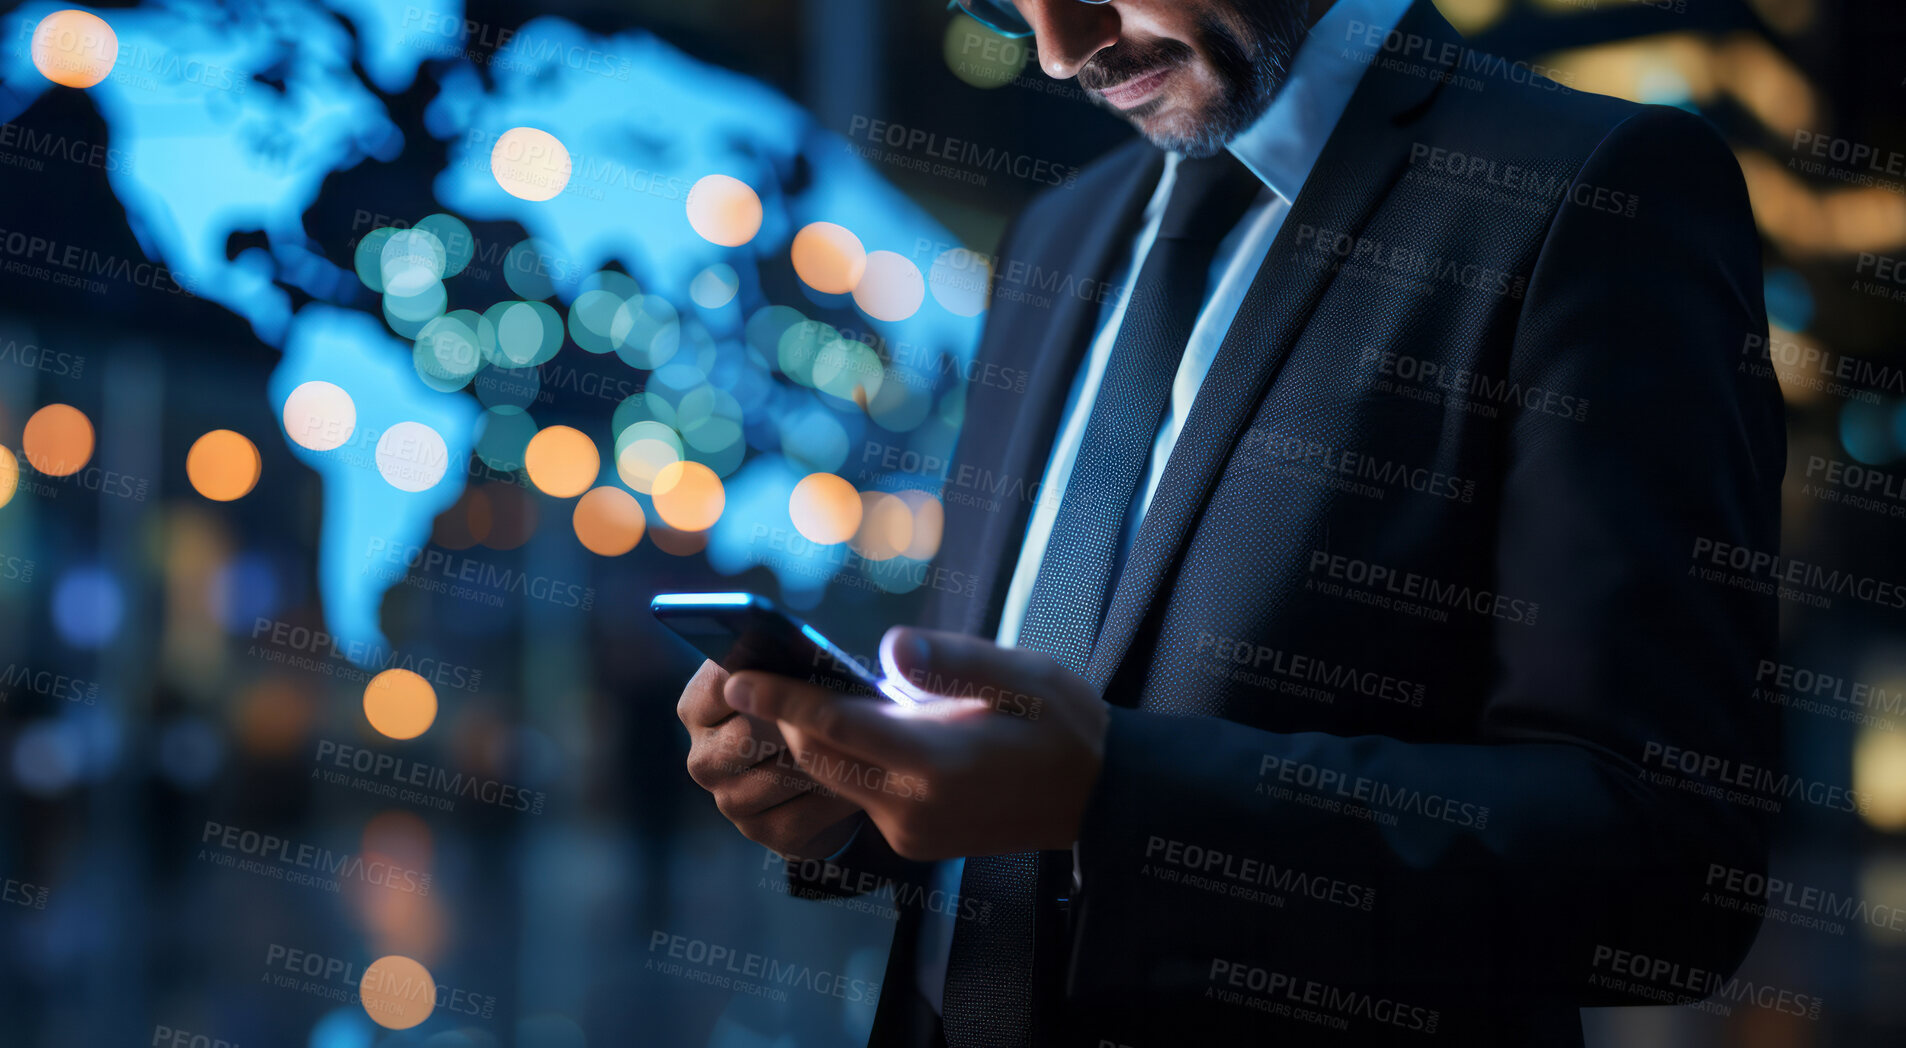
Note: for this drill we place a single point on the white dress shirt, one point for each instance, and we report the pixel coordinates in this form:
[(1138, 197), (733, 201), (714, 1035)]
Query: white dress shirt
[(1280, 148)]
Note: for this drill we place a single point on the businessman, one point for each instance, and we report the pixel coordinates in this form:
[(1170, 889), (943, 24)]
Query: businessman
[(1358, 672)]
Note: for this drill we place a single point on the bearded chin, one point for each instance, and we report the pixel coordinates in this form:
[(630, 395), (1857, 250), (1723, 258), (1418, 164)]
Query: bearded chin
[(1250, 72)]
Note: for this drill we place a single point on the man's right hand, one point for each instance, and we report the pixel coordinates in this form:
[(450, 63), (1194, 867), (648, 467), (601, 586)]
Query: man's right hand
[(745, 762)]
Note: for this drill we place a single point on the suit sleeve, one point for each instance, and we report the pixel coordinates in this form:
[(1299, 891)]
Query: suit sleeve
[(1553, 838)]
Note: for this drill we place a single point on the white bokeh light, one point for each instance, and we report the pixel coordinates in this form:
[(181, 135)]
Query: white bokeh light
[(320, 416), (891, 288), (412, 456), (530, 163)]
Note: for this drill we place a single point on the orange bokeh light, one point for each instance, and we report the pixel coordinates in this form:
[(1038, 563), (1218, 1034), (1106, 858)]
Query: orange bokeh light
[(74, 48), (9, 476), (689, 496), (724, 210), (397, 992), (562, 461), (58, 440), (886, 526), (400, 704), (825, 508), (608, 521), (829, 258), (223, 465), (929, 522)]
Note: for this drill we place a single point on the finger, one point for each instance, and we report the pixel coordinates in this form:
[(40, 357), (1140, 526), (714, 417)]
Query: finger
[(701, 704), (849, 777), (749, 740), (861, 727), (936, 663), (734, 747), (759, 790), (786, 828)]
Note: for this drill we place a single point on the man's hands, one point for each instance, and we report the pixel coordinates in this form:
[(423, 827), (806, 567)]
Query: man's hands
[(1000, 756), (746, 764)]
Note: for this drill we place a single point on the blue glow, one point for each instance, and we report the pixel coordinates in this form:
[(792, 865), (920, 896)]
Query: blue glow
[(674, 600), (1789, 299), (98, 737), (47, 756), (394, 39), (624, 203), (211, 152), (245, 589), (1864, 432), (366, 520), (220, 152), (342, 1028), (88, 607)]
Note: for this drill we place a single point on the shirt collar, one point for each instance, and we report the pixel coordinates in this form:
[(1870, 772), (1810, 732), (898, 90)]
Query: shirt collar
[(1284, 143)]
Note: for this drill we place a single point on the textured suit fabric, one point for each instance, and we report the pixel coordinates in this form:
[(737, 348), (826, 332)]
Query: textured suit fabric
[(1416, 599)]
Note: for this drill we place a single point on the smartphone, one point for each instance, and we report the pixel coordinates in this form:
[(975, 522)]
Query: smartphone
[(744, 631)]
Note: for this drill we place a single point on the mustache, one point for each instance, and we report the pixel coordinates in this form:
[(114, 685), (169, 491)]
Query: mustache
[(1123, 61)]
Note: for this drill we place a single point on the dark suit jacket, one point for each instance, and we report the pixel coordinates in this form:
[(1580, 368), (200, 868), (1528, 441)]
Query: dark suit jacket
[(1412, 642)]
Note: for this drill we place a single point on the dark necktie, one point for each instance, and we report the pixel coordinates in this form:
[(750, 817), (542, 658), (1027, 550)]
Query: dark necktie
[(990, 977)]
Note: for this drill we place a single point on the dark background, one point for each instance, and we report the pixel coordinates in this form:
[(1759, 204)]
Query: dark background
[(552, 916)]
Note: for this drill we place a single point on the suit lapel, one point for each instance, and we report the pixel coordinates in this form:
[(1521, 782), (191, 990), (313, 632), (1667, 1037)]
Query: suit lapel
[(1008, 435), (1363, 158)]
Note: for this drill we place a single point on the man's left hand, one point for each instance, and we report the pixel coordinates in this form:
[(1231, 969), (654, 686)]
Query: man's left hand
[(1000, 755)]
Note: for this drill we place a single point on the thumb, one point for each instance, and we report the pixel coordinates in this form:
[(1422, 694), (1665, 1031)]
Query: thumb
[(854, 724), (936, 664)]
